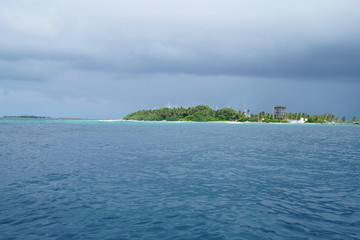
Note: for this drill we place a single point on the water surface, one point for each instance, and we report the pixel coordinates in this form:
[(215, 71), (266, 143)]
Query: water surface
[(87, 179)]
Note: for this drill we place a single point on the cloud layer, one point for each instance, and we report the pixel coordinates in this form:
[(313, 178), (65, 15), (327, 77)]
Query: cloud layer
[(77, 44)]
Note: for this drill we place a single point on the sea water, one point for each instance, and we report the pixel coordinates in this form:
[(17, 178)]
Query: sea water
[(86, 179)]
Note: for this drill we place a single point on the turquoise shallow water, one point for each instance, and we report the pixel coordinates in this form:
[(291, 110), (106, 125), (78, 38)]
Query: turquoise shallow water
[(88, 179)]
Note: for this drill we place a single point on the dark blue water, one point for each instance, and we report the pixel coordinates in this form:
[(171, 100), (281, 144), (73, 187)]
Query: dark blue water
[(116, 180)]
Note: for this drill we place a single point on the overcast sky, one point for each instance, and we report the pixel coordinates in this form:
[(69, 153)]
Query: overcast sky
[(104, 59)]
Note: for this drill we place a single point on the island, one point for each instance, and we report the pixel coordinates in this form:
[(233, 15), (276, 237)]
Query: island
[(204, 113), (26, 117), (38, 117)]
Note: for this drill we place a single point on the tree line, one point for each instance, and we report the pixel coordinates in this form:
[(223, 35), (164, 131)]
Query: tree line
[(204, 113)]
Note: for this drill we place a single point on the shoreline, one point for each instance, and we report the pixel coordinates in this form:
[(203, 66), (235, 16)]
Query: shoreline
[(171, 122), (233, 122)]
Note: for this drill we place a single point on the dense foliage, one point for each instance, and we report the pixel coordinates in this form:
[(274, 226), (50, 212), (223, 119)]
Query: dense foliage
[(203, 113), (26, 116)]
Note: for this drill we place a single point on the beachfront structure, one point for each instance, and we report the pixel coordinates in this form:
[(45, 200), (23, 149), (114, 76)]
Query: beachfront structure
[(246, 112), (279, 112), (301, 120)]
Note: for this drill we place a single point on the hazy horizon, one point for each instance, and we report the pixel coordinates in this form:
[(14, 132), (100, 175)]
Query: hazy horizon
[(168, 105)]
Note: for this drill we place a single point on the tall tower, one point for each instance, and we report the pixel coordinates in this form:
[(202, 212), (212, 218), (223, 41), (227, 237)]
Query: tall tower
[(279, 112)]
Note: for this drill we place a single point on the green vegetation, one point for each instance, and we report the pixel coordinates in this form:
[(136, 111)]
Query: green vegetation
[(203, 113), (321, 118), (38, 117), (26, 116)]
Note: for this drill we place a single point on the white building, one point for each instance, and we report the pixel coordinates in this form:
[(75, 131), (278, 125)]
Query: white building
[(302, 120)]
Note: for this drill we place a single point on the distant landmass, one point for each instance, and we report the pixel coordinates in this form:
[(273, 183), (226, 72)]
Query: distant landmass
[(27, 116), (204, 113), (35, 117)]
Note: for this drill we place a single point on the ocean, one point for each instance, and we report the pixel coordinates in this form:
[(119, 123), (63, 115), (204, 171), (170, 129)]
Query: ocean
[(89, 179)]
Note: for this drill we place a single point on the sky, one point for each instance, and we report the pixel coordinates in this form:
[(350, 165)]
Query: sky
[(105, 59)]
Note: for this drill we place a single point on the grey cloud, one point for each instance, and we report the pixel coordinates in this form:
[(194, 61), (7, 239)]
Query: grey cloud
[(107, 58), (30, 69), (315, 39), (320, 62)]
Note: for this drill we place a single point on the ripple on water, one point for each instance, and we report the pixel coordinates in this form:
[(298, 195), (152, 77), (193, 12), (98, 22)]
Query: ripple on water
[(178, 181)]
